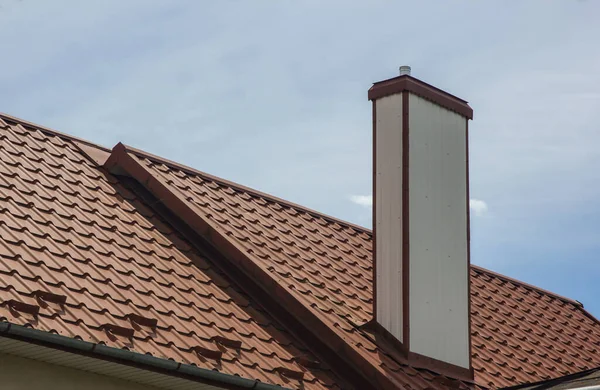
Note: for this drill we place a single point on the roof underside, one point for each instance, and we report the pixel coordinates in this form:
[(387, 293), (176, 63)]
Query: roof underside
[(58, 357), (72, 230)]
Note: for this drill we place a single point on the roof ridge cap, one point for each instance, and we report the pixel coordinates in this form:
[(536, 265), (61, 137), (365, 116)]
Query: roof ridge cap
[(51, 131), (526, 285), (246, 189)]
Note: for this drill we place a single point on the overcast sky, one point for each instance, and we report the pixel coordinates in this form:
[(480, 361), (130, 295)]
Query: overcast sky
[(273, 95)]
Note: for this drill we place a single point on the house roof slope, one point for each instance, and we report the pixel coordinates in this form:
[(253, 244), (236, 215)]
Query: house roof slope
[(71, 229), (520, 333), (524, 334), (313, 283), (82, 256)]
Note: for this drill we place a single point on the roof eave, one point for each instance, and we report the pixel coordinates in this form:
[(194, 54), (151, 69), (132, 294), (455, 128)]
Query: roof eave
[(125, 357)]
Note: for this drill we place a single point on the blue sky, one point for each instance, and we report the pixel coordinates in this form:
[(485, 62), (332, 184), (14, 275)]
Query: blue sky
[(273, 95)]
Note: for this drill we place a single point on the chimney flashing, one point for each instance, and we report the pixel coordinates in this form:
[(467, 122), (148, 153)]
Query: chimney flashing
[(408, 83)]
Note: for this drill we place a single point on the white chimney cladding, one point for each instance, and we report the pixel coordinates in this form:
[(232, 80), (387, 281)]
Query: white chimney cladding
[(421, 224)]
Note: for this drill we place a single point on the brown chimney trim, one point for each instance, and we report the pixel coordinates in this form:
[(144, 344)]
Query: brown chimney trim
[(407, 83), (405, 223), (374, 210)]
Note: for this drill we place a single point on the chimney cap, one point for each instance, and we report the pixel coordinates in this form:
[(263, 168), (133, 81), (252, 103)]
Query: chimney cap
[(402, 83), (405, 70)]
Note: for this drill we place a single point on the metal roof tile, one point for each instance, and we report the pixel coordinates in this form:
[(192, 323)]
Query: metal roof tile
[(72, 229)]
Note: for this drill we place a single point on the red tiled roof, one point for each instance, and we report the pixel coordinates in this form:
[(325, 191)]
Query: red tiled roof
[(72, 229)]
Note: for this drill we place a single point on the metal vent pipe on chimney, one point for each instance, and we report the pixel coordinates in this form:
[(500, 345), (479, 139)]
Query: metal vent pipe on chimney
[(405, 70)]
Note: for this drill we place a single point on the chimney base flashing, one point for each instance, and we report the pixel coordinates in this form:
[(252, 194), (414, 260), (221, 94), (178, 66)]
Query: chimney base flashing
[(416, 360), (399, 352)]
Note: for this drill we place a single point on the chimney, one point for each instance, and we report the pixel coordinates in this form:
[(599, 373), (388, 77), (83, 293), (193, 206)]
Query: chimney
[(421, 222)]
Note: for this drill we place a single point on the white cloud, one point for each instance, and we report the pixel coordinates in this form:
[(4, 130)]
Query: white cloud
[(478, 207), (363, 200)]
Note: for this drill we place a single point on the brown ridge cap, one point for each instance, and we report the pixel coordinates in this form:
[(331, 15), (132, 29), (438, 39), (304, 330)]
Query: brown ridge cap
[(243, 188), (50, 131), (526, 285)]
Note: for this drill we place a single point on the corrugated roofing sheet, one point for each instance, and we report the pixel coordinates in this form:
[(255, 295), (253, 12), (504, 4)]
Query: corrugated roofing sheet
[(70, 230)]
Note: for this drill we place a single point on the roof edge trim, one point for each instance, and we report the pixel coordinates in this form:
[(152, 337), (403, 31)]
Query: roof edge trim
[(150, 363)]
